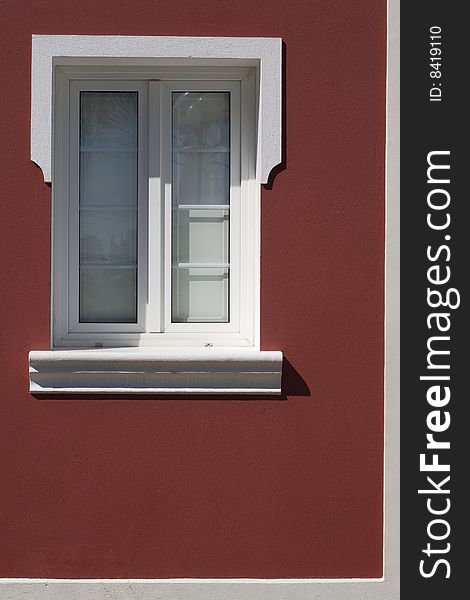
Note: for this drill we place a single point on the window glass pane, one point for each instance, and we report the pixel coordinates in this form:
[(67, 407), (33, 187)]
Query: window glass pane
[(107, 295), (201, 177), (108, 207), (201, 119), (108, 177), (201, 206), (108, 119), (200, 295), (201, 236), (108, 236)]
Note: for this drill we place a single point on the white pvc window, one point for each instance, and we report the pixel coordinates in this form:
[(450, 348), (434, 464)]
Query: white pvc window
[(153, 205)]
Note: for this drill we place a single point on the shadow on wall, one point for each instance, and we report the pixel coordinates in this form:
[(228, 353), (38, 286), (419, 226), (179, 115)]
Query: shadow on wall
[(293, 384)]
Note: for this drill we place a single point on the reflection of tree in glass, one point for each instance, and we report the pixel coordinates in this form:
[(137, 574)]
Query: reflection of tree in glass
[(201, 177), (108, 119), (91, 248), (121, 248)]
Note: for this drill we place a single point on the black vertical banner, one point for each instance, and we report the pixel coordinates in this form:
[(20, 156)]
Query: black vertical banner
[(435, 267)]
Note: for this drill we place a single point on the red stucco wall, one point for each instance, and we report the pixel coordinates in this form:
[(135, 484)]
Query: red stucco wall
[(154, 488)]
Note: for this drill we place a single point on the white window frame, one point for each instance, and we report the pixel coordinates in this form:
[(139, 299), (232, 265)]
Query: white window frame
[(154, 326)]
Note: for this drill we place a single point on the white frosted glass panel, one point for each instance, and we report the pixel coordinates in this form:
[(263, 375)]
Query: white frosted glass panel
[(108, 206), (202, 236), (108, 177), (200, 295), (108, 295), (108, 119), (201, 177), (201, 119), (108, 236)]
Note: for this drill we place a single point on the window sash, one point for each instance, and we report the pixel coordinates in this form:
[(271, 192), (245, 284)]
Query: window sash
[(76, 87), (167, 88)]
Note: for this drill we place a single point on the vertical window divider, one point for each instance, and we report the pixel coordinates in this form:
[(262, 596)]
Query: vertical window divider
[(165, 162), (155, 214)]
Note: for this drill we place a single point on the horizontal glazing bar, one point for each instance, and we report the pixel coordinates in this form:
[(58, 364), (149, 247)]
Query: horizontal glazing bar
[(204, 206), (108, 266), (108, 207), (201, 266), (106, 149), (201, 149)]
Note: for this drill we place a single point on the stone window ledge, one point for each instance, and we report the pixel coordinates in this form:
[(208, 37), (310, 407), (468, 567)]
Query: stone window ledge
[(156, 371)]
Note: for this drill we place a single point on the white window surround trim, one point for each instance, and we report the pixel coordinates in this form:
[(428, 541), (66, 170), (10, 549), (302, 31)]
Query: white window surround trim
[(51, 50), (163, 371), (159, 369)]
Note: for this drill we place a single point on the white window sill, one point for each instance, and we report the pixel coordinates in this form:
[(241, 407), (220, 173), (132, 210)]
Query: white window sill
[(156, 371)]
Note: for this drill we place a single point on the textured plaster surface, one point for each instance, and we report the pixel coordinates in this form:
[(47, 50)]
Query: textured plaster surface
[(288, 488)]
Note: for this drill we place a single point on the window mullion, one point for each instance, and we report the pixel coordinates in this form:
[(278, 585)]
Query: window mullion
[(155, 220), (166, 171)]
